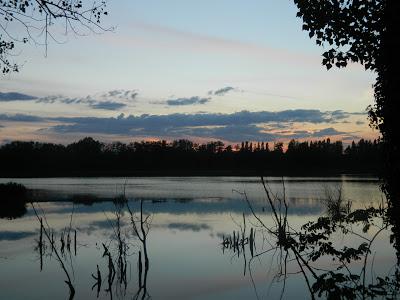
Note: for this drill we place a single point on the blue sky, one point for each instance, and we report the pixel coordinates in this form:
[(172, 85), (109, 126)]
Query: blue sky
[(173, 56)]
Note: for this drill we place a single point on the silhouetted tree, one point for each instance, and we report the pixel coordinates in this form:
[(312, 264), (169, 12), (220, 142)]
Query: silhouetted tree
[(183, 145), (90, 157), (278, 147), (366, 32)]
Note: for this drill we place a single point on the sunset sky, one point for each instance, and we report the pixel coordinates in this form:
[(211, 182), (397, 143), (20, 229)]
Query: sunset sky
[(227, 70)]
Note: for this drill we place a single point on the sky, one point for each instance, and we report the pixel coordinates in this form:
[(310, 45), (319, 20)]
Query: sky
[(202, 70)]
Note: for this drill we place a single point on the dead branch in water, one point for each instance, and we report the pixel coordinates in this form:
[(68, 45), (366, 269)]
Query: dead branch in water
[(46, 232), (314, 241)]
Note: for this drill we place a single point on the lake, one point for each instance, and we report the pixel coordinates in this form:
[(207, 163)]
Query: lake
[(188, 219)]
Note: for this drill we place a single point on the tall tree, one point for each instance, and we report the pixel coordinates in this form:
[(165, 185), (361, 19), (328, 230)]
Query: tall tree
[(366, 32)]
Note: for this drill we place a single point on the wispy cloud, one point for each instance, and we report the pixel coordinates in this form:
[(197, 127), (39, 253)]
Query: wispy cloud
[(65, 100), (153, 36), (21, 118), (222, 91), (107, 105), (121, 94), (111, 100), (187, 101), (13, 96)]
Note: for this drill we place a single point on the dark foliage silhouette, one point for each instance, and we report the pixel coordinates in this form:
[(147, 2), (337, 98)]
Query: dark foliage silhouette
[(13, 199), (366, 32), (89, 157)]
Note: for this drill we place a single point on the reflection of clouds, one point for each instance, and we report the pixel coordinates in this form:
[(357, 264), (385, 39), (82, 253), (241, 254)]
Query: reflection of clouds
[(101, 226), (189, 226), (105, 223), (15, 235), (221, 235), (187, 205)]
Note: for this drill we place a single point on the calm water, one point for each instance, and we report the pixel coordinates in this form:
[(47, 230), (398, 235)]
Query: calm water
[(189, 216)]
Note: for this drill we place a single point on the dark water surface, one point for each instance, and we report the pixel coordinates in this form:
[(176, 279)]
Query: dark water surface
[(189, 217)]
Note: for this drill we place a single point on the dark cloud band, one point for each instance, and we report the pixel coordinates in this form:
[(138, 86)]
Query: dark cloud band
[(187, 101), (243, 125), (9, 97)]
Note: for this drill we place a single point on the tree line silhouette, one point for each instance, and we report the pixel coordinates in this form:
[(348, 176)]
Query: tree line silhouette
[(89, 157)]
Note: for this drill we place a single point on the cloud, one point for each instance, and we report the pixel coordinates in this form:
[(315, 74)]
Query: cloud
[(111, 100), (327, 132), (152, 36), (187, 101), (319, 133), (205, 119), (121, 94), (13, 96), (237, 126), (340, 114), (65, 100), (360, 123), (243, 125), (107, 105), (21, 118), (222, 91), (233, 133)]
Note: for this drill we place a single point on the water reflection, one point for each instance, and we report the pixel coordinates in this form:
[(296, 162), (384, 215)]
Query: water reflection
[(116, 252), (189, 222), (59, 252), (15, 235), (331, 269), (13, 199)]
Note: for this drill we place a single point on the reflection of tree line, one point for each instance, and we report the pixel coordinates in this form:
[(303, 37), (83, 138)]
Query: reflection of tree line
[(13, 198), (91, 157), (116, 251), (314, 241), (16, 207)]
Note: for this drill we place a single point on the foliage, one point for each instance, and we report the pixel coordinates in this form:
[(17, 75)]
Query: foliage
[(12, 189), (13, 197), (351, 30), (366, 32), (315, 242), (91, 157)]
